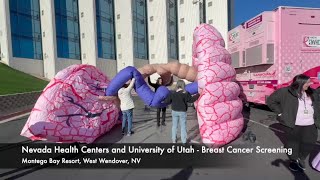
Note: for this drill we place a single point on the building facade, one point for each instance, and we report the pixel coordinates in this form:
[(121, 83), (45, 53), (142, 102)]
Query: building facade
[(42, 37)]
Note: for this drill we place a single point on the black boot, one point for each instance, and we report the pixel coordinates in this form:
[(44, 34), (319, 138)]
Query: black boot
[(293, 166), (301, 164)]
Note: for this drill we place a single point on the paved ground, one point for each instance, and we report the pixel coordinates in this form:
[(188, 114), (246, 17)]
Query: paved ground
[(254, 166)]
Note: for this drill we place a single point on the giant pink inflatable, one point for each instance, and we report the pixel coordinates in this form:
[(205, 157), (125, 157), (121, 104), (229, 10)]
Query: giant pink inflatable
[(68, 110), (218, 107)]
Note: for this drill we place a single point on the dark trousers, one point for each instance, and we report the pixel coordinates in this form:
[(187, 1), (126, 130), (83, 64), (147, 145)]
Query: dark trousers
[(163, 114), (302, 140)]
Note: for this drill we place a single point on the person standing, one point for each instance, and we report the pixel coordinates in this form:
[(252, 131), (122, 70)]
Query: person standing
[(126, 106), (298, 108), (156, 85), (179, 100)]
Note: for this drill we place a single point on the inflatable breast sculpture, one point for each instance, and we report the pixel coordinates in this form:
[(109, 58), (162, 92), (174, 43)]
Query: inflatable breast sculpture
[(218, 107), (68, 110)]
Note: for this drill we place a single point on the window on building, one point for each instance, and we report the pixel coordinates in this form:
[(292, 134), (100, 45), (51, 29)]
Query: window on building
[(202, 9), (67, 29), (25, 29), (172, 28), (105, 29), (139, 11)]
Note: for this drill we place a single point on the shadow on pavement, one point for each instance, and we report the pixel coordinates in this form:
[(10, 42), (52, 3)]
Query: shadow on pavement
[(143, 127), (113, 136), (280, 131), (184, 174), (299, 175)]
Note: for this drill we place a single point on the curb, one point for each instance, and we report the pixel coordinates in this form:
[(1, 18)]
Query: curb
[(10, 116), (20, 93)]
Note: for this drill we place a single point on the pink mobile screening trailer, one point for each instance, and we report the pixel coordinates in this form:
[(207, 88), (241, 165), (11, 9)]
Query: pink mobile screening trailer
[(271, 48)]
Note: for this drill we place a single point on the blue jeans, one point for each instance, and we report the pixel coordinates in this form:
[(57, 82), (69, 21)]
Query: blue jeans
[(182, 116), (127, 116)]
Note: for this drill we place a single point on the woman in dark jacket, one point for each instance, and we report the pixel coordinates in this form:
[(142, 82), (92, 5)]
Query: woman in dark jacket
[(179, 100), (159, 83), (298, 108)]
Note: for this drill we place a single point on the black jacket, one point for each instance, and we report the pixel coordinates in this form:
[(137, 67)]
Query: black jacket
[(156, 86), (180, 100), (285, 102)]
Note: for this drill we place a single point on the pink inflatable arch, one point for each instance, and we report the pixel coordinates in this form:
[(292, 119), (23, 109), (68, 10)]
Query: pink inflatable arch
[(68, 110), (218, 107)]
